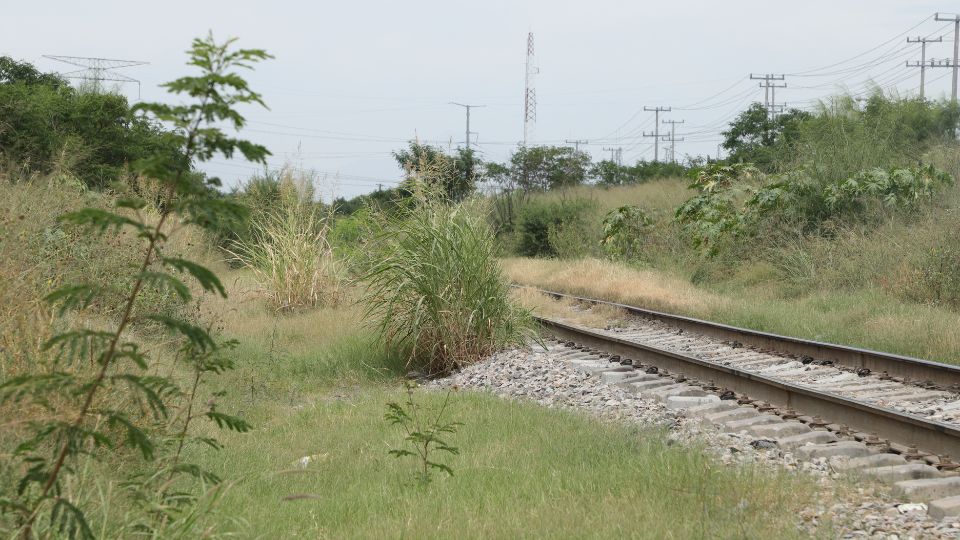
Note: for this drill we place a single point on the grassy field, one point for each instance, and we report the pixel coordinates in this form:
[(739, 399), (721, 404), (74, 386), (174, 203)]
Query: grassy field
[(314, 385), (315, 382)]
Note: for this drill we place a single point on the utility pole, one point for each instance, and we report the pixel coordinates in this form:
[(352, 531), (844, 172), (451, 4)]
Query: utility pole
[(656, 129), (769, 89), (576, 143), (468, 107), (673, 138), (98, 69), (922, 64), (956, 49), (616, 156)]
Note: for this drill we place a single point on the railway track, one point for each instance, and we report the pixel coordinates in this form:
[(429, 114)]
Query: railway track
[(891, 417)]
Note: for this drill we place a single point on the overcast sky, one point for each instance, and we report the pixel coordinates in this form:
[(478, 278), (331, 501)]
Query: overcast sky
[(353, 80)]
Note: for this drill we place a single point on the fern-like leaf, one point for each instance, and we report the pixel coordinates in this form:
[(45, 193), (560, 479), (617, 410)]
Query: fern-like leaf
[(197, 336), (73, 297), (100, 221), (164, 281), (207, 279), (227, 421)]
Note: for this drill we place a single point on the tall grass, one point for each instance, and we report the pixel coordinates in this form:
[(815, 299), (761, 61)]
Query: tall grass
[(436, 289), (287, 249)]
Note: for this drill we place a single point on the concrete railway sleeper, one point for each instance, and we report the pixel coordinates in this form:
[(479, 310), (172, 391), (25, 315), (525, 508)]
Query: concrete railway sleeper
[(880, 442)]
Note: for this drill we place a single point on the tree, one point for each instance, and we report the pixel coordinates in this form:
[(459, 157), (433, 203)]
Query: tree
[(548, 167), (753, 136), (46, 125), (454, 175), (12, 72), (609, 173)]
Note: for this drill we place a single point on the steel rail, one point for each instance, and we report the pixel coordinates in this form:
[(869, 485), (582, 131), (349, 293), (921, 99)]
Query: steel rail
[(908, 368), (928, 435)]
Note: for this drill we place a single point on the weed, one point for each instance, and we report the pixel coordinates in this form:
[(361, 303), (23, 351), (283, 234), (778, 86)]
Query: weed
[(423, 434)]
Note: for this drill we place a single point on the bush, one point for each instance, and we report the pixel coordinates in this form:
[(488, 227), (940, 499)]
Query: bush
[(536, 219), (729, 205), (436, 289), (624, 230), (844, 136), (288, 248), (936, 279)]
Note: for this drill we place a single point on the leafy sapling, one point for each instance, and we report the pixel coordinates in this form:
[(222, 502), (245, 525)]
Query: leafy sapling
[(115, 401), (423, 433)]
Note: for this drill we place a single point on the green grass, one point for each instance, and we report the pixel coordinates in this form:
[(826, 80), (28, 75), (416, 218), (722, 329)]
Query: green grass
[(314, 385), (524, 471)]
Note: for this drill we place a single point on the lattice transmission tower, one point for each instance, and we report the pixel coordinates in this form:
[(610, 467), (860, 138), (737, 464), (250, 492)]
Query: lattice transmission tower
[(98, 70), (530, 92)]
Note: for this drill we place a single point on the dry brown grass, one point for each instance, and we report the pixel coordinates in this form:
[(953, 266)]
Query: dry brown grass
[(614, 282), (595, 316)]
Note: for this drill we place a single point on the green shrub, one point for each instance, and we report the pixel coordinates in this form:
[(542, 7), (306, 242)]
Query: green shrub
[(536, 219), (347, 232), (48, 125), (624, 230), (575, 239), (435, 288), (846, 136), (936, 278), (728, 205)]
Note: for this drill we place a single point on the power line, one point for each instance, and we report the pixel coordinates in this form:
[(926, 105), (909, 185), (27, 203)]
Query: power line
[(806, 73)]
